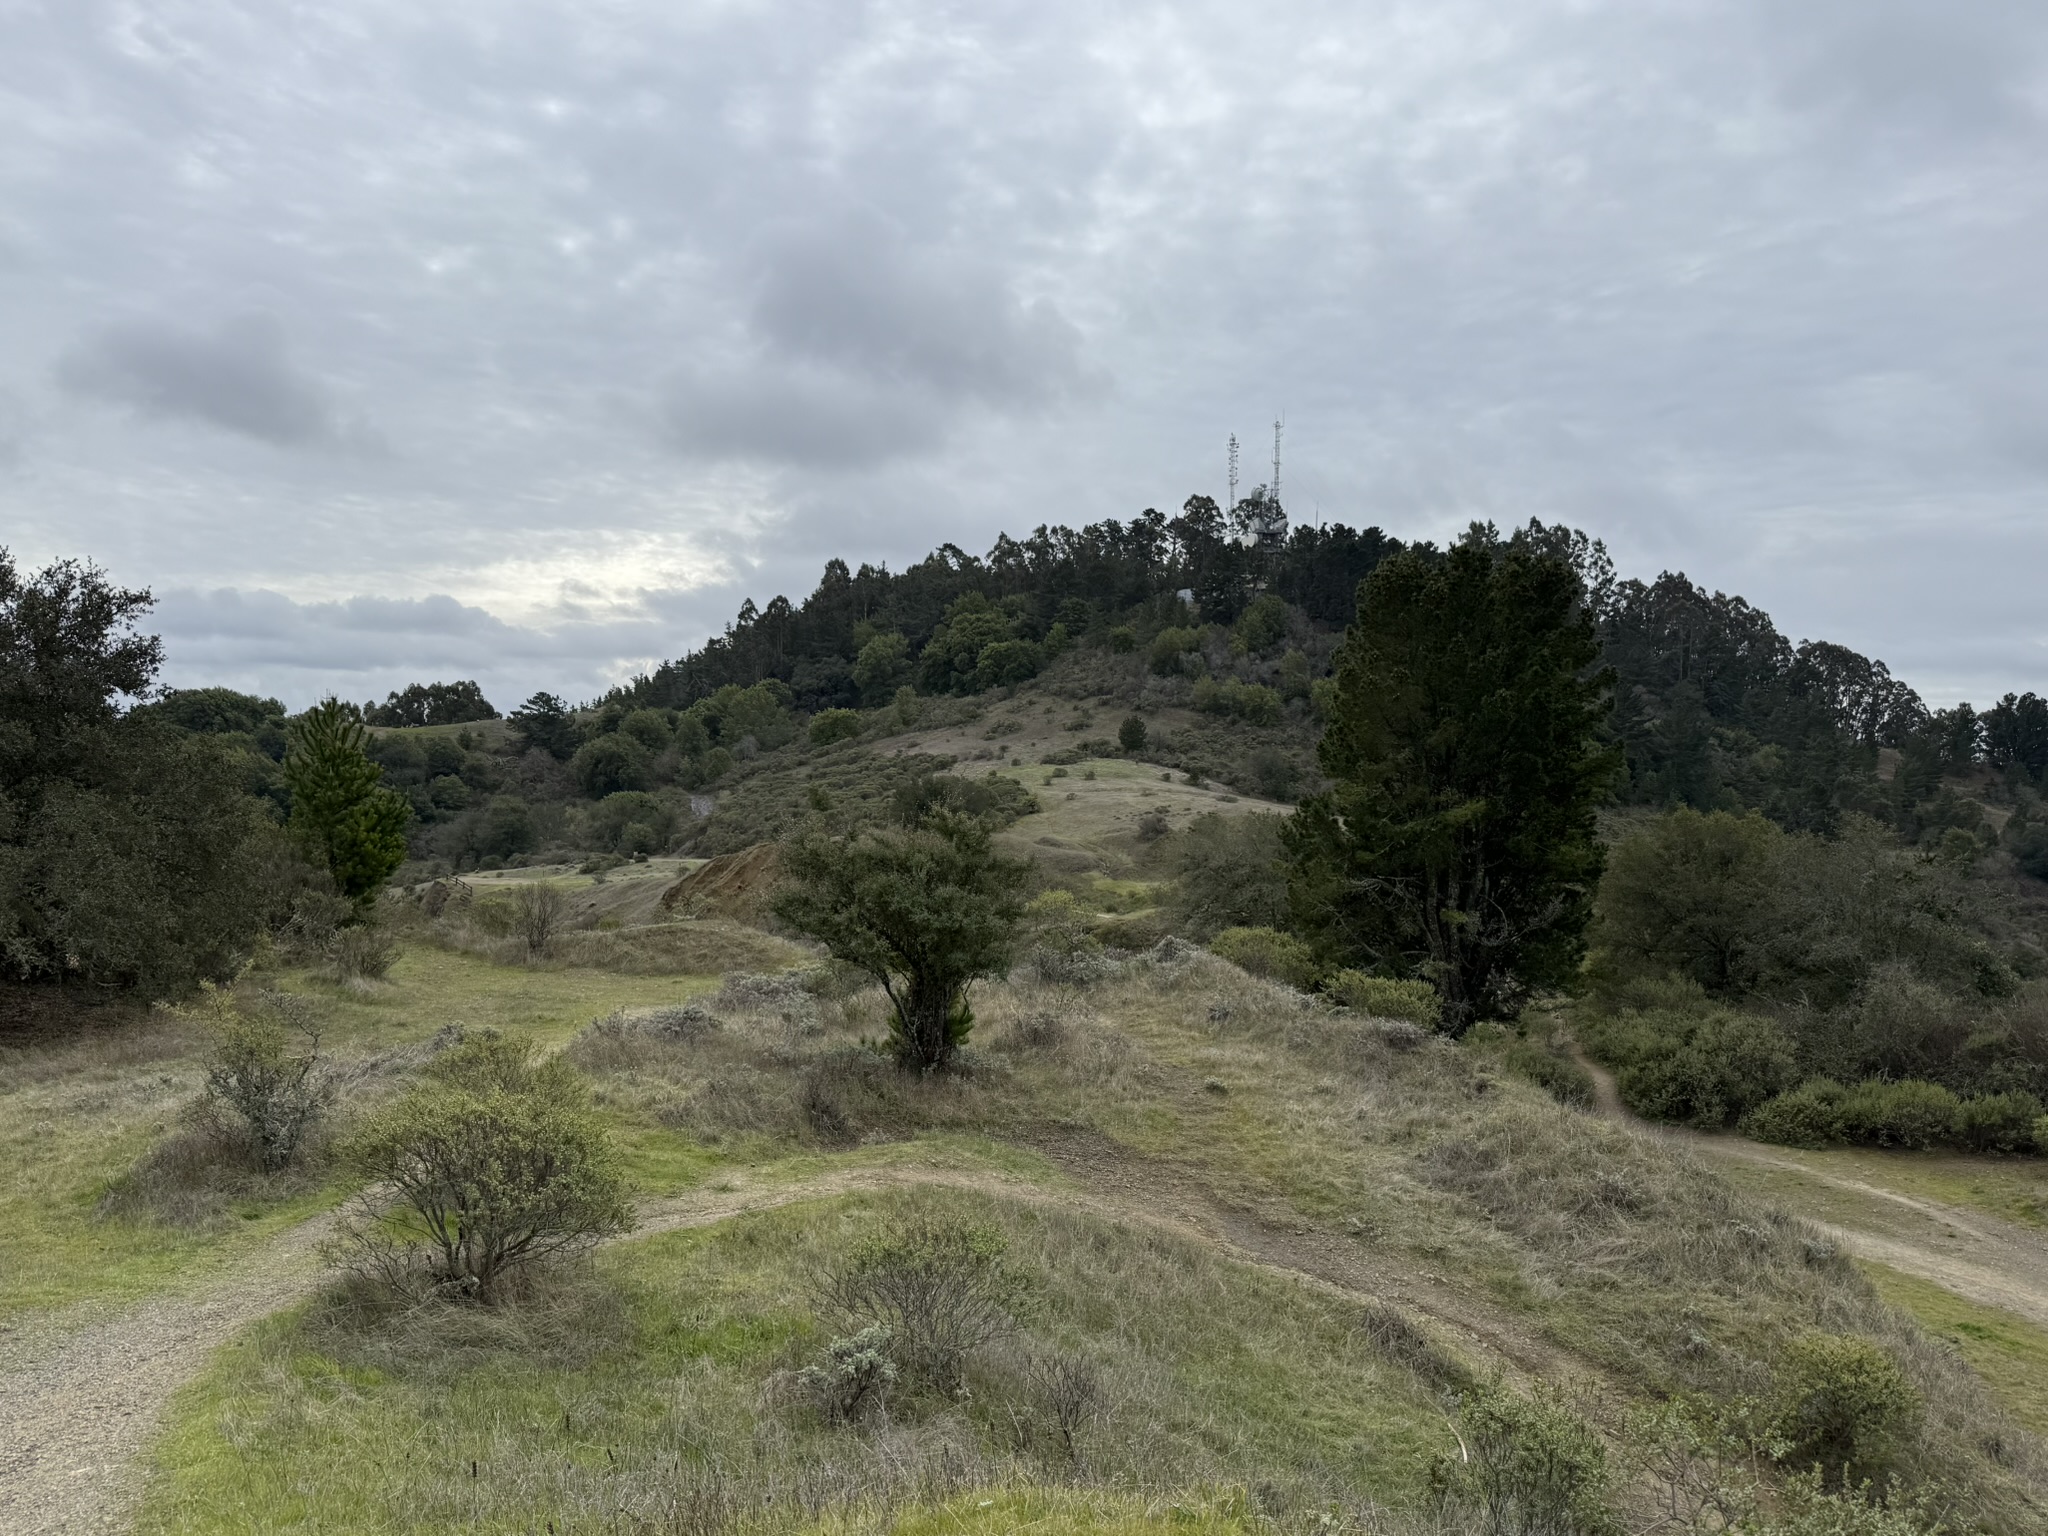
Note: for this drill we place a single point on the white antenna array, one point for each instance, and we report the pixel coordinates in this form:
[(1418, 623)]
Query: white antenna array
[(1274, 492), (1231, 505)]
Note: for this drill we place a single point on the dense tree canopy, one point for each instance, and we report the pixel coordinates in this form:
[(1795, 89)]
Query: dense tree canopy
[(129, 852), (1458, 839)]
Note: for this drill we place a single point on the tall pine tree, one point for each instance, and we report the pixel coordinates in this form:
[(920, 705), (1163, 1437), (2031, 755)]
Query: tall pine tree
[(1457, 842), (350, 823)]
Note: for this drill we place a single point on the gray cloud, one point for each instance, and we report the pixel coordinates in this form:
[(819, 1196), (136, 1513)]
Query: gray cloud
[(860, 347), (239, 377), (1746, 288)]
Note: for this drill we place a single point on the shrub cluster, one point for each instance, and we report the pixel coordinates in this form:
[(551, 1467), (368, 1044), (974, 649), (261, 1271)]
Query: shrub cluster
[(1910, 1114), (1253, 703), (1386, 997), (1269, 953)]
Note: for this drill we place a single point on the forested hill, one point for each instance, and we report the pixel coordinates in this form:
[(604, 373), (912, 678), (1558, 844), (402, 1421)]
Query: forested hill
[(1712, 704)]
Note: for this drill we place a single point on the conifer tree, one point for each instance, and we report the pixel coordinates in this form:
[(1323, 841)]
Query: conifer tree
[(350, 823), (1457, 841)]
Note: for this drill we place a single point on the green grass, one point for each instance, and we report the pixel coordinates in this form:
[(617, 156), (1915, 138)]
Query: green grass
[(75, 1115), (580, 1405), (2010, 1353)]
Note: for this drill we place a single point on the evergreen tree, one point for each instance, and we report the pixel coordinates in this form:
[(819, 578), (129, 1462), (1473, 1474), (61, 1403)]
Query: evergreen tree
[(1458, 838), (352, 824)]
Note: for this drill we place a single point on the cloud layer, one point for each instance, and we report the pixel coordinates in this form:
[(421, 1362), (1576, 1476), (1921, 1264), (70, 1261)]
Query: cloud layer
[(586, 320)]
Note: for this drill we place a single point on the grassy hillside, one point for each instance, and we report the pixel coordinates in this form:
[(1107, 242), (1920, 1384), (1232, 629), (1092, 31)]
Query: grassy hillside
[(1281, 1238)]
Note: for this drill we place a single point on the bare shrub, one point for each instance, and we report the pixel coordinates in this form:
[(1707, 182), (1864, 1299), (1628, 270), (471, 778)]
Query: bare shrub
[(362, 952), (1070, 1397), (538, 908), (854, 1376), (259, 1090), (1040, 1031), (938, 1285)]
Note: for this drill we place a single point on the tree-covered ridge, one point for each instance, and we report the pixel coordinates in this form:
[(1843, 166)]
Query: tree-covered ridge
[(1712, 706), (1081, 581)]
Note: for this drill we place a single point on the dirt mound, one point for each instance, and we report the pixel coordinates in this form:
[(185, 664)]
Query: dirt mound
[(733, 885)]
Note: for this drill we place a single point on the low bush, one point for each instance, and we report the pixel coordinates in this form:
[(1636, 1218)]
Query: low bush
[(2002, 1122), (1250, 702), (1908, 1114), (854, 1376), (1387, 997), (497, 1163), (938, 1287), (1704, 1067), (1267, 952), (362, 952), (832, 725), (260, 1091), (1808, 1116), (1553, 1069), (1524, 1467), (1842, 1405)]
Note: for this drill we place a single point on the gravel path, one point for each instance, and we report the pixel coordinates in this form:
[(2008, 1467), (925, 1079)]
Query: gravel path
[(79, 1403)]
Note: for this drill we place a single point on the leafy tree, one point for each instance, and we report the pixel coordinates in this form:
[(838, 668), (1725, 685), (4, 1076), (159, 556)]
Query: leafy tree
[(610, 764), (432, 704), (882, 667), (2016, 734), (543, 723), (1130, 736), (1458, 839), (129, 853), (1694, 895), (353, 825), (926, 910)]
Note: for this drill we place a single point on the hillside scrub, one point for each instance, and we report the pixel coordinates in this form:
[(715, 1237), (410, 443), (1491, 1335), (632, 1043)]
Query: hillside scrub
[(497, 1165)]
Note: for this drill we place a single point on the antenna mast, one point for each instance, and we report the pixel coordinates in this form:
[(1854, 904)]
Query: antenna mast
[(1275, 492), (1232, 507)]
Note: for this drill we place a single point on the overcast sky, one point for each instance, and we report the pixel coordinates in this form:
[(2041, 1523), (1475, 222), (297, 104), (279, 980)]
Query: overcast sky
[(520, 339)]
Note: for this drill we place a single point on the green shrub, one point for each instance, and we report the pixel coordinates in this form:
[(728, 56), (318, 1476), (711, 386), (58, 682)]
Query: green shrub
[(1841, 1404), (1130, 736), (833, 725), (1705, 1069), (1169, 645), (497, 1163), (1385, 997), (1267, 952), (1524, 1468), (1907, 1114), (2002, 1122), (1808, 1116), (1250, 702)]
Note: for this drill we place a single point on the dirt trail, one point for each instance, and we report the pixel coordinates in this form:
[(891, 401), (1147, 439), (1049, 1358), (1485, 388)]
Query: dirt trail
[(1975, 1255), (79, 1404), (79, 1407)]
